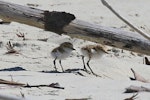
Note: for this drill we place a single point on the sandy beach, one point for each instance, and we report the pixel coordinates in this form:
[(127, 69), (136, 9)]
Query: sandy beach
[(34, 64)]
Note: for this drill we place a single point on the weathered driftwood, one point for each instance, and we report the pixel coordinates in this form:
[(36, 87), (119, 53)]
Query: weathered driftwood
[(133, 89), (65, 23), (138, 77), (10, 82)]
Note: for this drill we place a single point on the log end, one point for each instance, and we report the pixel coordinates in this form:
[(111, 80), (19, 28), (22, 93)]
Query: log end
[(55, 21)]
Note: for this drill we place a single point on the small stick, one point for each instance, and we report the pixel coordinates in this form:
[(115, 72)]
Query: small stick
[(124, 20), (80, 99), (10, 83), (138, 77), (133, 97), (52, 85)]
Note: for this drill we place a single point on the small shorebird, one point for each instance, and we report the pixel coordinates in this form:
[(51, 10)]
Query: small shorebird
[(61, 52), (92, 51)]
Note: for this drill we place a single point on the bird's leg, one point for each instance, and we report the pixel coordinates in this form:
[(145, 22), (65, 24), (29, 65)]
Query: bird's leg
[(89, 65), (84, 67), (90, 68), (61, 65), (55, 64)]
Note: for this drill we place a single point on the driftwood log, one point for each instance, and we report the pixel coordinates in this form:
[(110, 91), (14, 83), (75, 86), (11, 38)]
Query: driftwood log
[(66, 23), (133, 89)]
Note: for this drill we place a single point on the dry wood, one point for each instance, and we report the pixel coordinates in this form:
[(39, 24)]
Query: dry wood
[(52, 85), (79, 99), (132, 97), (73, 27), (10, 82), (147, 36), (108, 36), (133, 89), (138, 77), (44, 39), (13, 12)]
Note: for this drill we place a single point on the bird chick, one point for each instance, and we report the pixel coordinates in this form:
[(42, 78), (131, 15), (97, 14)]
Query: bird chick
[(61, 52), (91, 52)]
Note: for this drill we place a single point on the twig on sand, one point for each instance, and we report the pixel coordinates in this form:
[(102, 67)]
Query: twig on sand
[(138, 77), (79, 99), (133, 89), (10, 82), (146, 35), (132, 97), (44, 39), (21, 35), (10, 49), (52, 85)]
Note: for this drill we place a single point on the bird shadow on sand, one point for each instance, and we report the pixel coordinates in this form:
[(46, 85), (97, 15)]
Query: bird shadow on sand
[(76, 71)]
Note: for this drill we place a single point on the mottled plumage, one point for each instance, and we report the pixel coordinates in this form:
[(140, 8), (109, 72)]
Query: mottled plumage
[(91, 52), (61, 52)]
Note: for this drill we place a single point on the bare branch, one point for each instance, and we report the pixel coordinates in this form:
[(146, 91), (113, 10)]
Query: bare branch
[(146, 35)]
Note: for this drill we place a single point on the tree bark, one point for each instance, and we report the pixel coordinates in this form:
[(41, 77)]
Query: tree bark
[(66, 23)]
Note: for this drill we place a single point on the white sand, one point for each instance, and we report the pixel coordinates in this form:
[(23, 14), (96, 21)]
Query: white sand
[(116, 66)]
